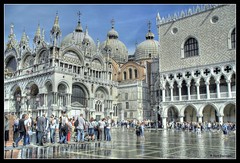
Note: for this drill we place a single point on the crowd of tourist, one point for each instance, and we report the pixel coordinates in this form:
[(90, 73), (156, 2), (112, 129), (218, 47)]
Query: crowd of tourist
[(78, 129)]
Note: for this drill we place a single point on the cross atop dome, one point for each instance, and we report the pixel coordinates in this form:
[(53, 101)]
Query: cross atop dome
[(112, 22), (149, 26), (79, 15)]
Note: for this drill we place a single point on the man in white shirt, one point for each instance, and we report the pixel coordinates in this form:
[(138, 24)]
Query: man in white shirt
[(80, 128)]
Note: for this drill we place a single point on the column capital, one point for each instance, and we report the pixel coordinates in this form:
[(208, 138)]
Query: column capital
[(228, 81), (197, 84), (217, 82)]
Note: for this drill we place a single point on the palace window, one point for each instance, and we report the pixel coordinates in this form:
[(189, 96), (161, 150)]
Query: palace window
[(191, 48)]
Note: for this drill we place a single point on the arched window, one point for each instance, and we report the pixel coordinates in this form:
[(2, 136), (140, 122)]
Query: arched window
[(191, 48), (233, 39), (130, 73), (135, 72), (124, 75), (78, 95)]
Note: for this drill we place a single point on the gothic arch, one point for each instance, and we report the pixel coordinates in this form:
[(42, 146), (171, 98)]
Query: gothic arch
[(39, 52), (185, 106), (200, 111), (25, 56), (165, 110), (221, 108)]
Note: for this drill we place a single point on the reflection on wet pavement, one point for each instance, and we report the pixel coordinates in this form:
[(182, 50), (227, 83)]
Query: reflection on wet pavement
[(157, 145)]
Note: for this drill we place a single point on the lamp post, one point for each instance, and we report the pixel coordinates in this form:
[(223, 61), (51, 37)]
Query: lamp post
[(37, 104), (28, 97), (18, 105)]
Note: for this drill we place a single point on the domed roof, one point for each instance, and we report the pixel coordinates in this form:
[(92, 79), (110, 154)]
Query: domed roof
[(149, 48), (112, 33), (149, 35), (118, 50), (78, 37)]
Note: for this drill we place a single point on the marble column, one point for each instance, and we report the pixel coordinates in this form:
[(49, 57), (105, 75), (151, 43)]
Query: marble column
[(188, 91), (199, 118), (218, 89), (181, 118), (198, 92), (163, 95), (171, 89), (180, 92), (207, 88), (164, 122), (229, 88), (220, 118)]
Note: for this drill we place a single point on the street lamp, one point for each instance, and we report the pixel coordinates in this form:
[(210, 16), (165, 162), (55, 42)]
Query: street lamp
[(28, 97), (37, 101)]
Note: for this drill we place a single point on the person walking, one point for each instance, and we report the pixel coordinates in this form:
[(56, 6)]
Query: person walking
[(22, 132), (80, 128), (15, 128), (53, 128), (6, 129), (101, 129), (40, 127), (142, 137)]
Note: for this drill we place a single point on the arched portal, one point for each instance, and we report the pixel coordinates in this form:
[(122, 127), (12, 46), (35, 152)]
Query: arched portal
[(172, 114), (229, 113), (190, 114), (209, 114)]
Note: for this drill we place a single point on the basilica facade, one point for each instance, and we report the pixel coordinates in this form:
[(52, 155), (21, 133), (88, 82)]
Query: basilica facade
[(186, 74)]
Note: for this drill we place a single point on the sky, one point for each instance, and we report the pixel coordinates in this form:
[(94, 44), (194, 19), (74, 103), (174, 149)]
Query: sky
[(131, 20)]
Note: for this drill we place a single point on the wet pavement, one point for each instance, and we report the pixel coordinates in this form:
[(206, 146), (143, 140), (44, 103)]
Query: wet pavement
[(163, 144)]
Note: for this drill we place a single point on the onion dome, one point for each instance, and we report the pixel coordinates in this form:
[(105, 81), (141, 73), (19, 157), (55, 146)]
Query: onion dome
[(79, 37), (115, 48), (149, 48)]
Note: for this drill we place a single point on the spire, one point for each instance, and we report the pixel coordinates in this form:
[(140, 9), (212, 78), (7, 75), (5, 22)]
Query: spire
[(11, 29), (43, 34), (37, 36), (158, 16), (38, 31), (11, 38), (11, 35), (24, 38), (55, 32), (56, 28), (86, 38), (86, 31)]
